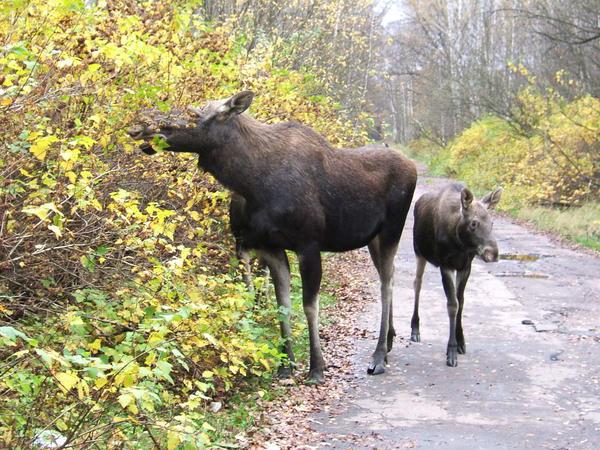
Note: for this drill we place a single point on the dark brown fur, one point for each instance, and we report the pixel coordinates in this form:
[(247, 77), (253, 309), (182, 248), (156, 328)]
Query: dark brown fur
[(450, 229)]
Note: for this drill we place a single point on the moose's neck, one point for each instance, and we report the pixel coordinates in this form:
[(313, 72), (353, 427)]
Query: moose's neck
[(238, 159)]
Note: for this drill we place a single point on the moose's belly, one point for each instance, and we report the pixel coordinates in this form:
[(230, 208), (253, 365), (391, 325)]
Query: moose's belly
[(338, 232), (345, 232)]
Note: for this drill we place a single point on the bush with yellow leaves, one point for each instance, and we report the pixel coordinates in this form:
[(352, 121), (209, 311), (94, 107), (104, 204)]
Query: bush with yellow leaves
[(120, 318), (549, 154)]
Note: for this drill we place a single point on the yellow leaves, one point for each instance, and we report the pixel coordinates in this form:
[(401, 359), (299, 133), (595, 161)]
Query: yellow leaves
[(43, 211), (173, 440), (100, 382), (95, 345), (128, 401), (91, 74), (40, 146), (128, 376), (67, 380)]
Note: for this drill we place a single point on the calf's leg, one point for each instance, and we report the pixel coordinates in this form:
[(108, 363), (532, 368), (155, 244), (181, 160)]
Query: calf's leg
[(386, 252), (415, 335), (279, 267), (310, 271), (462, 276), (452, 305)]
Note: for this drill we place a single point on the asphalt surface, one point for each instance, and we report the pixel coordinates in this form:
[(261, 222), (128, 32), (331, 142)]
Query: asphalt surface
[(532, 385)]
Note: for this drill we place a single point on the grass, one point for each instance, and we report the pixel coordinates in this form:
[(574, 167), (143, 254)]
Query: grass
[(579, 224), (428, 153)]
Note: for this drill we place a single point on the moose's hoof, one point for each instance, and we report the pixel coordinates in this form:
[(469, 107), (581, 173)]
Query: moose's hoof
[(451, 362), (415, 336), (315, 377), (376, 369), (452, 357), (462, 349)]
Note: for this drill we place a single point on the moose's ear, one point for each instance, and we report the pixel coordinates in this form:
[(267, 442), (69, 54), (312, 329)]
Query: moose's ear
[(466, 198), (491, 200), (236, 104)]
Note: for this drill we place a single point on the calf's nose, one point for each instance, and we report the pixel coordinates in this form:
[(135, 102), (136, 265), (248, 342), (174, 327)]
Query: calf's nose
[(490, 254)]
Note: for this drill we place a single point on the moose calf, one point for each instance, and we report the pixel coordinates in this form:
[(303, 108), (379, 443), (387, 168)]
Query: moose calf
[(450, 229)]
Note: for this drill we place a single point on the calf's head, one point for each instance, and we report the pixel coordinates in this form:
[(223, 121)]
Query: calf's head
[(475, 224), (193, 130)]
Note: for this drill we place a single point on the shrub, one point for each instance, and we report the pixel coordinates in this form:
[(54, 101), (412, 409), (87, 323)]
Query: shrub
[(119, 317)]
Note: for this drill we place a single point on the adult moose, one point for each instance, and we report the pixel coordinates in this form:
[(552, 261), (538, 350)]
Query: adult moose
[(450, 229), (302, 195)]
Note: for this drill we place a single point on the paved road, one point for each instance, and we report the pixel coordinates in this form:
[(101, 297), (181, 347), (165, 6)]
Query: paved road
[(518, 387)]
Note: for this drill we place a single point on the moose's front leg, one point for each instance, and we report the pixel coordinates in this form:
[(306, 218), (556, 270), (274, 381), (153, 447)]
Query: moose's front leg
[(310, 271), (461, 283), (279, 267), (452, 304)]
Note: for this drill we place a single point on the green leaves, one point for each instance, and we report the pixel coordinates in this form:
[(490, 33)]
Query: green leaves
[(120, 261), (10, 335)]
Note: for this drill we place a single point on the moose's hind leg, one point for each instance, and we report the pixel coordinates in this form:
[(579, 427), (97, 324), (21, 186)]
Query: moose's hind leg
[(383, 256), (310, 271), (279, 267)]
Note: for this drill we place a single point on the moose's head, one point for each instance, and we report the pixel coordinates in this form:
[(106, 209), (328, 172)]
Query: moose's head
[(475, 224), (192, 130)]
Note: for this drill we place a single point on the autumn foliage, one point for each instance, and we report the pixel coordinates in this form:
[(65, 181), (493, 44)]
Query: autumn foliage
[(546, 153), (121, 313)]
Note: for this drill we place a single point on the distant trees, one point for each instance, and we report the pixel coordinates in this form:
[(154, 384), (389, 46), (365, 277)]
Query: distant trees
[(335, 41), (448, 61)]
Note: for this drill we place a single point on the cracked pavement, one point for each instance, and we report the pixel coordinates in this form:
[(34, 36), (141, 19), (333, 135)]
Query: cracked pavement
[(530, 378)]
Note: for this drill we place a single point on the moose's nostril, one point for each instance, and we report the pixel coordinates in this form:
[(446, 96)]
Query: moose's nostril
[(490, 255), (135, 132)]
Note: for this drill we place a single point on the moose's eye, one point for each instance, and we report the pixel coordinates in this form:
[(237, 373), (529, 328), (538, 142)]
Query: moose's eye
[(473, 225)]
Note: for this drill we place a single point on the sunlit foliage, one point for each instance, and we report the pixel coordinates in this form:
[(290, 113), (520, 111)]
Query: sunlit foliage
[(548, 154), (120, 318)]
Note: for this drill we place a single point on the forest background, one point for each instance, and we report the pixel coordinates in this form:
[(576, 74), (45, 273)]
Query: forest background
[(122, 314)]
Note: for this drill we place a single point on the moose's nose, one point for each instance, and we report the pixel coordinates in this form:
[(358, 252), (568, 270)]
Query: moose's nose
[(136, 131), (490, 254)]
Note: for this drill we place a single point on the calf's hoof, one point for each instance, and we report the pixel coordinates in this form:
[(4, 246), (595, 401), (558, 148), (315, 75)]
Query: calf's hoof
[(415, 336), (452, 356)]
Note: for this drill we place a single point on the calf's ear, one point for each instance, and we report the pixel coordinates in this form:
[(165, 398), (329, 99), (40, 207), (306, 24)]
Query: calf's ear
[(491, 200), (235, 104), (466, 198)]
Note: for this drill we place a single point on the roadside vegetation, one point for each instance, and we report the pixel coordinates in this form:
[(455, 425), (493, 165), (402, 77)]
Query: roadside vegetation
[(545, 156), (123, 321)]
